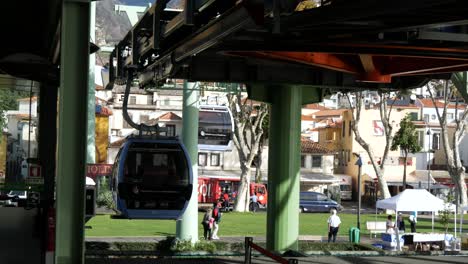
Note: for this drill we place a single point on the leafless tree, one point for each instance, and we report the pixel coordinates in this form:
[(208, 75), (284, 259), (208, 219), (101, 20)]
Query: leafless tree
[(248, 131), (451, 144), (385, 113)]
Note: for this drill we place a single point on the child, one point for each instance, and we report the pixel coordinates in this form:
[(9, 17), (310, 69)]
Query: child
[(207, 224)]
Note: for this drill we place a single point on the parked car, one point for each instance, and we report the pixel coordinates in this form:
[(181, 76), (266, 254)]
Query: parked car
[(17, 198), (317, 202)]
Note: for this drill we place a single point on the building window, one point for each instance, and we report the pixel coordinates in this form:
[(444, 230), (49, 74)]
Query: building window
[(202, 159), (170, 130), (316, 161), (132, 100), (350, 125), (433, 117), (144, 119), (449, 116), (303, 158), (214, 159), (436, 141), (421, 136), (330, 134), (426, 118), (125, 124), (343, 129), (150, 100)]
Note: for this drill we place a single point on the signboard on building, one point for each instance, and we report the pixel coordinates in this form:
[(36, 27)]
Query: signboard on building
[(378, 128), (95, 170)]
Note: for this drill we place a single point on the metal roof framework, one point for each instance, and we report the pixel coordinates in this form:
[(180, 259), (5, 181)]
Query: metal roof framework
[(345, 44)]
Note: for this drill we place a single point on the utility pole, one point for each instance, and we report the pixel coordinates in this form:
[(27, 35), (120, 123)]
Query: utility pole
[(429, 159), (359, 164)]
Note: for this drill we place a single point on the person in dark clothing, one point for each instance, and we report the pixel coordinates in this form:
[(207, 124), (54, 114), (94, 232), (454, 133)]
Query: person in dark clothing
[(216, 215), (400, 223), (207, 223), (413, 220)]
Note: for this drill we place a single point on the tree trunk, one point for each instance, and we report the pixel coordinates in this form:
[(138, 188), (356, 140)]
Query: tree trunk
[(404, 170), (451, 149), (258, 164), (243, 196)]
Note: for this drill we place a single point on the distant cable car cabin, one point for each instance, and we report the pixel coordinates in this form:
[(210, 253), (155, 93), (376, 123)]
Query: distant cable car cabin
[(215, 128), (152, 178)]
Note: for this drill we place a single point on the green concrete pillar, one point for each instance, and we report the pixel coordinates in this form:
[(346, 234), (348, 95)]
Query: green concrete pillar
[(91, 150), (187, 226), (72, 132), (284, 168)]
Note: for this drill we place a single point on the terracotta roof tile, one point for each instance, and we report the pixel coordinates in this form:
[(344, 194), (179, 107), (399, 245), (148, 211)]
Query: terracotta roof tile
[(308, 146), (117, 143), (169, 116), (306, 118), (427, 102), (332, 112), (315, 106), (34, 98)]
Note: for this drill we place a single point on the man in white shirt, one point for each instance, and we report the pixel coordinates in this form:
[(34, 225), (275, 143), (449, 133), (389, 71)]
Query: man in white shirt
[(333, 225)]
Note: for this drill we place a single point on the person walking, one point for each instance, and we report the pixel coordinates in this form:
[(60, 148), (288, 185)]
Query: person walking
[(334, 222), (413, 220), (207, 224), (216, 215)]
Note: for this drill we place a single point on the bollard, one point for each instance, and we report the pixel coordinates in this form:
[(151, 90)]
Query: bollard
[(248, 250)]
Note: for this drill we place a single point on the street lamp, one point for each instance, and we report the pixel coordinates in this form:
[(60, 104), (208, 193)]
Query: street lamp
[(359, 164), (428, 133)]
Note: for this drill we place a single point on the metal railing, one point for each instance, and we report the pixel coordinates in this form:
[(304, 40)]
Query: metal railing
[(249, 245)]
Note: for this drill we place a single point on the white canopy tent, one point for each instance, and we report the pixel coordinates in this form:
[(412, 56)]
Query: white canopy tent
[(419, 200), (413, 200)]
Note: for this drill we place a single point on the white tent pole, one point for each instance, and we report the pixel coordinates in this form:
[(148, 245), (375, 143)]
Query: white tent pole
[(455, 223), (432, 213), (397, 231), (461, 221)]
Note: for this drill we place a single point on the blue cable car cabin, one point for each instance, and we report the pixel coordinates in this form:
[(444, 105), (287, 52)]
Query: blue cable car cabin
[(152, 178), (215, 128)]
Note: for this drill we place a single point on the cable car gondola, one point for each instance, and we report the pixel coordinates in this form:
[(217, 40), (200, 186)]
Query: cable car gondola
[(215, 128), (152, 174), (152, 178)]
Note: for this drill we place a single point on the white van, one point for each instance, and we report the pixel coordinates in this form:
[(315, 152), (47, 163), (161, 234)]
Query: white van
[(346, 187)]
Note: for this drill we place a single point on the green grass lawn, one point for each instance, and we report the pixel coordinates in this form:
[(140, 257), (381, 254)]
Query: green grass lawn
[(241, 224)]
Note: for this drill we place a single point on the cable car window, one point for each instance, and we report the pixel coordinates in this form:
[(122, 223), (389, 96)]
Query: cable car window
[(202, 160), (214, 159)]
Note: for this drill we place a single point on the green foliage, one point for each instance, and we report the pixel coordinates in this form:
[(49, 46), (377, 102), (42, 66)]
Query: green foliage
[(8, 101), (406, 138), (172, 244), (104, 198), (445, 215)]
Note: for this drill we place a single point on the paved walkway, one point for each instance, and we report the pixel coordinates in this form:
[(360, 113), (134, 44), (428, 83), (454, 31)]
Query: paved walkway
[(264, 260)]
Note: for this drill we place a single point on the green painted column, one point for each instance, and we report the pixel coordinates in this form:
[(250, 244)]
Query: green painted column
[(72, 131), (91, 150), (187, 226), (284, 168)]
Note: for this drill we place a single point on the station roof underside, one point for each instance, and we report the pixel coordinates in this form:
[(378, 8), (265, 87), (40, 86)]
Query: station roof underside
[(375, 43)]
